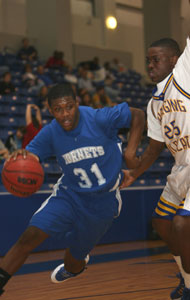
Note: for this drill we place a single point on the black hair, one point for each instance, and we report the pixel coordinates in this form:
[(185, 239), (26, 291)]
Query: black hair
[(22, 129), (167, 43), (60, 91), (6, 73)]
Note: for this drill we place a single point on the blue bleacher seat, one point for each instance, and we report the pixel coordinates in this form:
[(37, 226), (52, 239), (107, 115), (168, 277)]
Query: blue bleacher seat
[(17, 110)]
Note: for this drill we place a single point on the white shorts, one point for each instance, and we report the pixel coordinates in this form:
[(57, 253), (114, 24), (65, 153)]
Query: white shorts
[(175, 198)]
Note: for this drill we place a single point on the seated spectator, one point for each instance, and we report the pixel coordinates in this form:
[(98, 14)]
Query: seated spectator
[(109, 71), (85, 98), (100, 99), (117, 65), (43, 76), (113, 93), (30, 80), (6, 86), (99, 72), (70, 76), (91, 65), (45, 107), (33, 123), (14, 141), (43, 101), (4, 152), (57, 61), (42, 96), (27, 52), (84, 82)]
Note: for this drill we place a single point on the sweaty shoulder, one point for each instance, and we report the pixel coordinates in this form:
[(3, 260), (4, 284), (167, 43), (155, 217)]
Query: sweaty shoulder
[(182, 70)]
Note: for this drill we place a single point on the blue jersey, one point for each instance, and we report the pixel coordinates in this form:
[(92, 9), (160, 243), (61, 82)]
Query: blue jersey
[(90, 155)]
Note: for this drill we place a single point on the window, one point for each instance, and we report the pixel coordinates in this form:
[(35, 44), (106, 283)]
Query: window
[(82, 7)]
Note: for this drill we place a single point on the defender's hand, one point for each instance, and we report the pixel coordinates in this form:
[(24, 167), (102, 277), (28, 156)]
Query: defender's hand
[(127, 180)]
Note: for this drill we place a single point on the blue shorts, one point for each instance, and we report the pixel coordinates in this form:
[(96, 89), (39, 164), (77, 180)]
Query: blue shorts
[(81, 219)]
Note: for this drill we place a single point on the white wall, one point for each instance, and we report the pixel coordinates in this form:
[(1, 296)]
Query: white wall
[(185, 19), (13, 17), (86, 30)]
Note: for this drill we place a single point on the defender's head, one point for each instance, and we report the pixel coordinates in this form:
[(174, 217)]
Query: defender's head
[(161, 58)]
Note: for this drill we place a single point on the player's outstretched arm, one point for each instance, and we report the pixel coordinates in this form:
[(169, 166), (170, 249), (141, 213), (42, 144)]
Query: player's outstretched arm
[(149, 156), (135, 135)]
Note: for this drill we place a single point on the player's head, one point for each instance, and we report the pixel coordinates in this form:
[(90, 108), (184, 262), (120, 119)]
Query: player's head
[(161, 58), (63, 105)]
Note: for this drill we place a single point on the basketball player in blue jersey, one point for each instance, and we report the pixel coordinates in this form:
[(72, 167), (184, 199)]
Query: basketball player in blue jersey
[(169, 123), (86, 198)]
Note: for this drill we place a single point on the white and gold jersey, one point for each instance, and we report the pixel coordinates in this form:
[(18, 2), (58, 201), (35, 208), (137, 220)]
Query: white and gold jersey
[(169, 121), (169, 110)]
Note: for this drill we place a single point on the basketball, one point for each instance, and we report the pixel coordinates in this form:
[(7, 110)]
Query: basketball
[(22, 177)]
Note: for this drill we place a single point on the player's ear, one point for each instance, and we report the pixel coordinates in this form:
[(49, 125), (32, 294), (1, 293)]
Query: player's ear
[(77, 101), (174, 60)]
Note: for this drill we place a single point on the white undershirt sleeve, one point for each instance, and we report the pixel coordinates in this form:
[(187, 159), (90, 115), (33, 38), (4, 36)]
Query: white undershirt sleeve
[(154, 127)]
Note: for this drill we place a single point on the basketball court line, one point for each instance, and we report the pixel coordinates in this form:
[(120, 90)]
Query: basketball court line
[(119, 293), (162, 261), (94, 259)]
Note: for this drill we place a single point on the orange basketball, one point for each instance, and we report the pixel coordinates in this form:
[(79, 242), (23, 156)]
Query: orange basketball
[(22, 177)]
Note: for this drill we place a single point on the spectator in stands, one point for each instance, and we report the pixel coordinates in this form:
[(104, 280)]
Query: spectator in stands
[(14, 141), (33, 123), (4, 152), (45, 107), (111, 91), (117, 65), (57, 61), (27, 52), (70, 76), (109, 71), (42, 96), (6, 86), (43, 76), (91, 65), (84, 82), (99, 71), (95, 64), (101, 99), (30, 80), (85, 98)]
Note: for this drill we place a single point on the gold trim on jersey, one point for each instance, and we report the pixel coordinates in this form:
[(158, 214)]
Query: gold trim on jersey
[(161, 96), (168, 209), (161, 213), (180, 89), (168, 203), (163, 210), (182, 204)]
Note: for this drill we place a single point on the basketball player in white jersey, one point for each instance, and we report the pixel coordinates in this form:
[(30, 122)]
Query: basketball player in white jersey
[(168, 116)]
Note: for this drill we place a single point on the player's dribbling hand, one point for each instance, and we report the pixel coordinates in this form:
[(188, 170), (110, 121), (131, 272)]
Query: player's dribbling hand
[(22, 152), (128, 179)]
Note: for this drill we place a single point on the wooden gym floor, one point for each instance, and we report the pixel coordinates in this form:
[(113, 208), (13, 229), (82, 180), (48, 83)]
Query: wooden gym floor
[(126, 271)]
